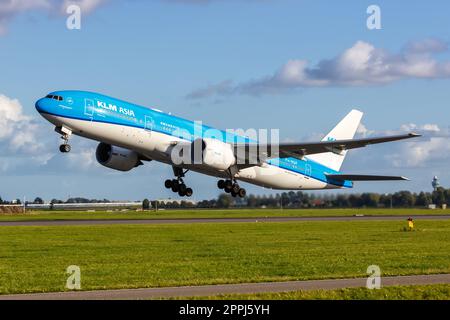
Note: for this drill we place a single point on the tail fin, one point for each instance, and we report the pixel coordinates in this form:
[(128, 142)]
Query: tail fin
[(345, 129)]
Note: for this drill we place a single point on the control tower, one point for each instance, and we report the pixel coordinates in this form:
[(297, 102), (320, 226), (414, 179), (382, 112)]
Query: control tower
[(435, 183)]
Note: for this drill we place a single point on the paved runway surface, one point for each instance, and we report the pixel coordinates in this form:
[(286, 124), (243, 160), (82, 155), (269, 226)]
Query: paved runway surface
[(243, 288), (217, 220)]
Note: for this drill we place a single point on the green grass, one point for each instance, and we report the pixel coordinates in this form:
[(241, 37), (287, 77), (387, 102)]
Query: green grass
[(208, 213), (34, 259), (427, 292)]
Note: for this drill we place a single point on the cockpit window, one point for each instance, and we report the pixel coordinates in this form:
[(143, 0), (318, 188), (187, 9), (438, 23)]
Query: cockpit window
[(50, 96)]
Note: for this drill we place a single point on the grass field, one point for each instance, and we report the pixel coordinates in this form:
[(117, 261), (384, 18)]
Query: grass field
[(208, 213), (429, 292), (34, 259)]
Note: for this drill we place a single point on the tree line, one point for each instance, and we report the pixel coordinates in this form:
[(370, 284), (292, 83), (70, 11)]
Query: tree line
[(292, 199), (39, 200), (299, 199)]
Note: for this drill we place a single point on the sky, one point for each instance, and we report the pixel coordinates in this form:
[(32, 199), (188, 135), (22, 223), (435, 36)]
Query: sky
[(297, 66)]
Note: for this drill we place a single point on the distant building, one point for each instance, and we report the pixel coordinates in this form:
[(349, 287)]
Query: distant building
[(178, 201), (85, 206)]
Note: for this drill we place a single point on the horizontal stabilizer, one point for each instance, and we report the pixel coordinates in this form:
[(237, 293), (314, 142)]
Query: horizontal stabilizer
[(363, 177)]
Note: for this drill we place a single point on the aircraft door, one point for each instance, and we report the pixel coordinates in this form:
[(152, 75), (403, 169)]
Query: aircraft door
[(308, 170), (147, 132), (89, 108), (148, 123)]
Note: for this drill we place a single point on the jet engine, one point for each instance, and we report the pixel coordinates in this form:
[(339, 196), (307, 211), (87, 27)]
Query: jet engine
[(212, 153), (117, 158)]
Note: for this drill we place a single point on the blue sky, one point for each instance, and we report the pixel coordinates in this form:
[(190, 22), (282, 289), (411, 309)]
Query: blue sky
[(231, 64)]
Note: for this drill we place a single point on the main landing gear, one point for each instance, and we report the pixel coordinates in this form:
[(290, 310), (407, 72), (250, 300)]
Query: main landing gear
[(177, 185), (232, 187)]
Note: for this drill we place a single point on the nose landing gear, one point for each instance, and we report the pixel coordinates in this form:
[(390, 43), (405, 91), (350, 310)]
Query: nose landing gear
[(65, 134), (232, 187)]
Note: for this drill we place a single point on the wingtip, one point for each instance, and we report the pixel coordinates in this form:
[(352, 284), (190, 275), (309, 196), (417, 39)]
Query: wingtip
[(405, 178), (414, 134)]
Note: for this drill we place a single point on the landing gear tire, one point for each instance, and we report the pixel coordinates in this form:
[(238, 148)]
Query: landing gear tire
[(236, 188), (182, 188), (228, 185), (242, 192), (233, 194), (221, 184), (181, 193), (188, 192), (168, 183), (64, 148), (175, 187)]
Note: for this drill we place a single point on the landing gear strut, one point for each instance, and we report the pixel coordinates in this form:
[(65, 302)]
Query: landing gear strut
[(232, 187), (177, 185)]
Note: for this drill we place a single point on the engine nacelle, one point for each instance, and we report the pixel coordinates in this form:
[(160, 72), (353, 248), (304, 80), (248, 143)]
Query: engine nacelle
[(117, 158), (212, 153)]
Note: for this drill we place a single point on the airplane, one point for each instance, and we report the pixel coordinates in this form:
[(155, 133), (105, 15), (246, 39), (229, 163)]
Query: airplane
[(130, 134)]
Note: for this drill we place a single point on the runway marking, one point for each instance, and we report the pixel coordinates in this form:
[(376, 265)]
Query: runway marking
[(216, 220), (242, 288)]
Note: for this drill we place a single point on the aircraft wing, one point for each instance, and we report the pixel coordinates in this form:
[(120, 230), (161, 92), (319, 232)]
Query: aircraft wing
[(299, 150), (363, 177)]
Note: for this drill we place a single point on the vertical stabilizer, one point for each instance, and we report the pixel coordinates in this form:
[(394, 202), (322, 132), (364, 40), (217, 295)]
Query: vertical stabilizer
[(345, 129)]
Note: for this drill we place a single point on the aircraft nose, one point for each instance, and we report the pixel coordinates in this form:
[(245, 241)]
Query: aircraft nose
[(40, 105)]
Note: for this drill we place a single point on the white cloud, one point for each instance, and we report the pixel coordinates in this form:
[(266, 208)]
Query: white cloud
[(29, 147), (421, 154), (363, 131), (222, 88), (16, 129), (427, 128), (360, 65), (21, 139), (433, 147), (82, 159)]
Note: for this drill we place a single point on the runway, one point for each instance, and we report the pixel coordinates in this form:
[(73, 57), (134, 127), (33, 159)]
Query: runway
[(243, 288), (217, 220)]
